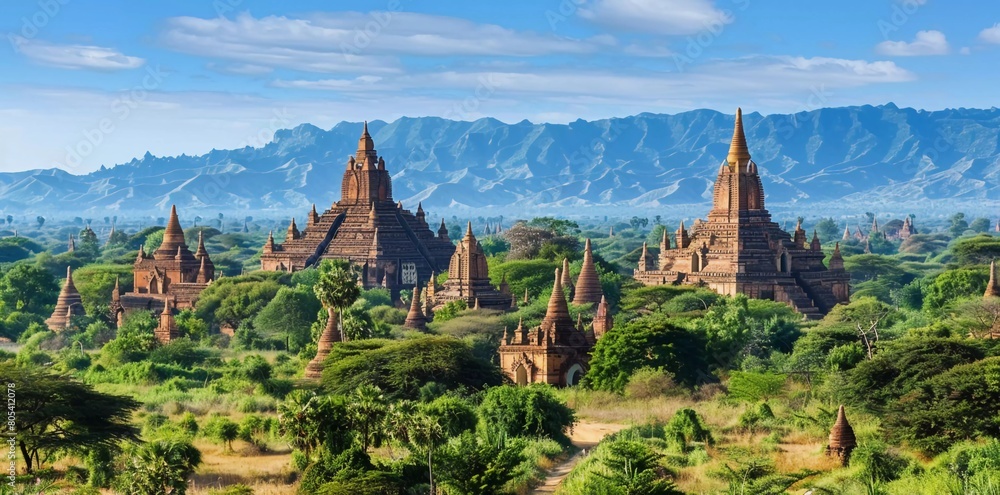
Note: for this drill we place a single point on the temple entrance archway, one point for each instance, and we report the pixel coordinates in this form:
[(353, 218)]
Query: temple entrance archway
[(574, 374), (521, 375)]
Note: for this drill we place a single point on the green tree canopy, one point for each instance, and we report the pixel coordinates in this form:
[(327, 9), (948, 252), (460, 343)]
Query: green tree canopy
[(400, 368), (652, 341), (55, 413), (532, 411), (28, 289)]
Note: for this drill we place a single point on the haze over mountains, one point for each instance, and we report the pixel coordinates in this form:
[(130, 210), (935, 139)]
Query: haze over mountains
[(850, 155)]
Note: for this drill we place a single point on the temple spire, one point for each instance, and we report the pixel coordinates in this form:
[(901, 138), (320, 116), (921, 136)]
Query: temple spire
[(842, 440), (738, 150), (415, 318), (558, 308), (993, 286), (588, 284), (173, 235)]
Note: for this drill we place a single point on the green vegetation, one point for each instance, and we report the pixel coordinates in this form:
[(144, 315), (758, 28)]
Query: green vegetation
[(711, 394)]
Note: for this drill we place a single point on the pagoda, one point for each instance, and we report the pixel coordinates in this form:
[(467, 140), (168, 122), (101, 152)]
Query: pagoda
[(993, 285), (469, 279), (588, 284), (556, 352), (393, 247), (68, 304), (171, 272), (842, 440), (739, 250)]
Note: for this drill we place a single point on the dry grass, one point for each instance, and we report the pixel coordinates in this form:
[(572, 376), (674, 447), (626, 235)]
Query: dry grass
[(267, 474)]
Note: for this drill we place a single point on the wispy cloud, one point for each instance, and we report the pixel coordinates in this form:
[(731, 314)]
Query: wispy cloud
[(667, 17), (990, 35), (925, 43), (75, 56), (760, 77), (352, 42)]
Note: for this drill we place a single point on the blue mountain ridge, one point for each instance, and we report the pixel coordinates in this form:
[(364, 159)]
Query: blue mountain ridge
[(847, 155)]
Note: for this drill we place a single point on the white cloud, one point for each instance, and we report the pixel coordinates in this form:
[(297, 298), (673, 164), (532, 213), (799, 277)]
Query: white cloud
[(990, 35), (352, 42), (75, 56), (668, 17), (925, 43), (758, 77)]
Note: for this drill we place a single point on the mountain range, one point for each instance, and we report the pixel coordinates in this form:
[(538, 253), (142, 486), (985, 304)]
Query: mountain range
[(848, 155)]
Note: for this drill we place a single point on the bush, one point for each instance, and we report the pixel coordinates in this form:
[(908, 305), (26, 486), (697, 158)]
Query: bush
[(532, 411), (182, 352), (400, 368), (648, 382)]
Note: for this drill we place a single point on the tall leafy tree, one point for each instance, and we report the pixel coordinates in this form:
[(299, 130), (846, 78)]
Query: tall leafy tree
[(55, 413), (337, 287), (28, 289)]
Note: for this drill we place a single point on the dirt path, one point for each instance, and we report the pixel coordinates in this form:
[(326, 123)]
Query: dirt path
[(585, 436)]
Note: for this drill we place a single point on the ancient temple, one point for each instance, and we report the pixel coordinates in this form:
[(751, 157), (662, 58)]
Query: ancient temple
[(556, 352), (393, 247), (166, 330), (842, 440), (415, 319), (739, 250), (602, 319), (469, 279), (68, 304), (907, 229), (993, 286), (331, 334), (171, 272)]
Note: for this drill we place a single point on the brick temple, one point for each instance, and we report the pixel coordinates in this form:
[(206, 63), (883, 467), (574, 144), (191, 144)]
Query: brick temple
[(393, 247), (556, 352), (469, 279), (739, 250), (170, 276)]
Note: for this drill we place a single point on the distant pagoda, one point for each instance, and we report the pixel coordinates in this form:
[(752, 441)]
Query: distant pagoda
[(739, 250), (393, 247), (68, 304), (993, 286), (842, 440)]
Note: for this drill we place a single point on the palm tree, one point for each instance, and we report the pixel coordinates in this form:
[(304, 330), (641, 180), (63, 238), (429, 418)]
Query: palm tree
[(158, 468), (368, 409), (337, 289), (425, 432)]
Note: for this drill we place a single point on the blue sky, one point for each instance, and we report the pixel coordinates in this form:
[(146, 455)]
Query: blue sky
[(85, 83)]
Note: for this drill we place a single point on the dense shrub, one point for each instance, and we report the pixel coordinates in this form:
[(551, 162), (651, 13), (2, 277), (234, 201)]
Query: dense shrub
[(400, 368), (532, 411)]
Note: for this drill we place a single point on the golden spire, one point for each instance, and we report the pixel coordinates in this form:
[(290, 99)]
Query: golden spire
[(738, 150)]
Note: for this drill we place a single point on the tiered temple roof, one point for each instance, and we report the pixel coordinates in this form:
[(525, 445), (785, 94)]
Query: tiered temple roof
[(469, 279), (171, 272), (739, 250), (556, 352), (68, 304), (401, 256)]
